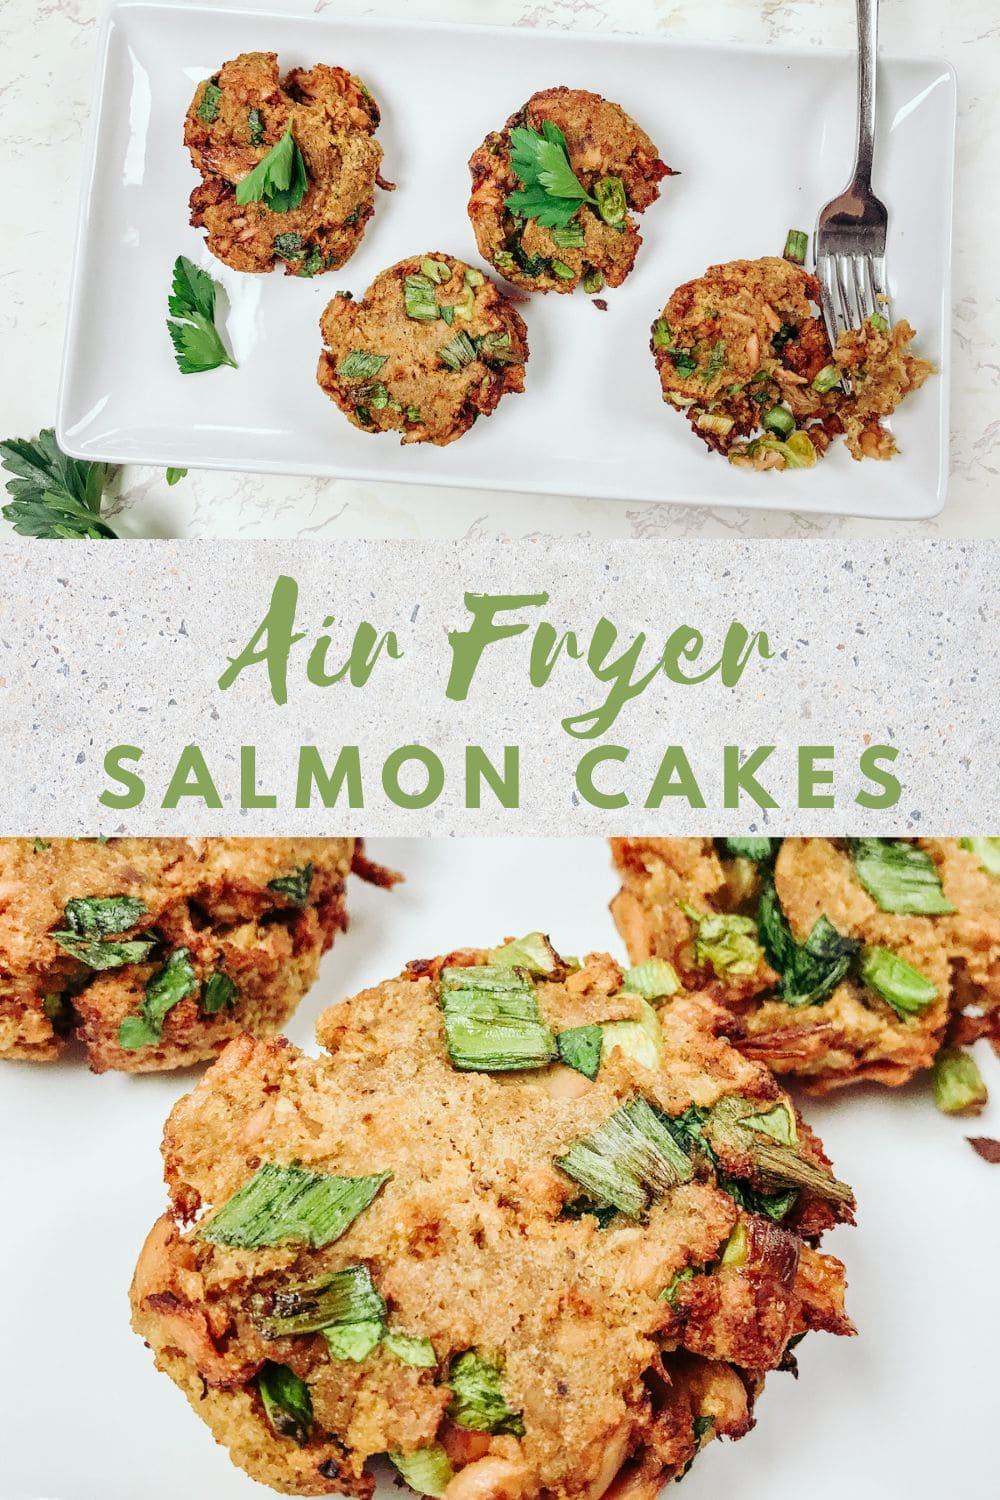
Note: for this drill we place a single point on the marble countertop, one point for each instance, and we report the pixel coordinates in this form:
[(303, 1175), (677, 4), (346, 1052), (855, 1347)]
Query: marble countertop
[(49, 53)]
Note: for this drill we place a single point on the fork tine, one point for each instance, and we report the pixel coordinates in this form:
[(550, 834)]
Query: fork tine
[(862, 287), (846, 317)]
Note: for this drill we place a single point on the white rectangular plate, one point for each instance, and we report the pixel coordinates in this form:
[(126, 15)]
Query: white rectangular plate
[(87, 1417), (762, 138)]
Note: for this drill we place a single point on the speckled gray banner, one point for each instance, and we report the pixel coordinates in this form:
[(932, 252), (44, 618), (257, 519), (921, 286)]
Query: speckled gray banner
[(874, 644)]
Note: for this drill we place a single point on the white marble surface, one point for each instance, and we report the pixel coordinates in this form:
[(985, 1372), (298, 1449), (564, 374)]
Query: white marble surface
[(49, 55)]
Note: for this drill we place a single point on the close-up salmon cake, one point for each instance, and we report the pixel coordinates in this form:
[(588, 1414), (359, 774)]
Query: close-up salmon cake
[(743, 353), (289, 166), (431, 346), (155, 952), (842, 959), (556, 192), (528, 1227)]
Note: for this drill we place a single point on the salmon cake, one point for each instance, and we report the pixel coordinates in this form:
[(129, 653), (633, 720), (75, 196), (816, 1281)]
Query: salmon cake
[(556, 192), (289, 166), (156, 952), (743, 353), (433, 345), (843, 959), (526, 1226)]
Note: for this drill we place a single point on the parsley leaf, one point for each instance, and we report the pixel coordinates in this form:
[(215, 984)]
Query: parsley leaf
[(53, 496), (208, 109), (197, 342), (174, 476), (551, 191), (279, 180)]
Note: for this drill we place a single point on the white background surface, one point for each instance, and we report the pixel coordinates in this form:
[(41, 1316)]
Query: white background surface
[(49, 60), (593, 416), (908, 1409)]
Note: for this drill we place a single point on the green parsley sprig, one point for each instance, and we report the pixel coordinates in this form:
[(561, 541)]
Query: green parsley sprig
[(551, 191), (52, 496), (197, 341), (279, 180)]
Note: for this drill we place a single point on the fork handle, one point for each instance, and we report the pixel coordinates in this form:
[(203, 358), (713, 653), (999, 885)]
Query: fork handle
[(867, 74)]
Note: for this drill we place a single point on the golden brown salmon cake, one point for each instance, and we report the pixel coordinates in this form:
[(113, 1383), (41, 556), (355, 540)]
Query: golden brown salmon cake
[(516, 1227), (556, 191), (844, 959), (244, 113), (155, 952), (743, 352), (431, 346)]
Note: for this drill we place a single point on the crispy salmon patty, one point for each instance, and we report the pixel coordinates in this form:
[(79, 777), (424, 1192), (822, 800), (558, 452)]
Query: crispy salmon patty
[(843, 959), (154, 953), (432, 346), (518, 1227), (241, 115), (601, 157), (743, 352)]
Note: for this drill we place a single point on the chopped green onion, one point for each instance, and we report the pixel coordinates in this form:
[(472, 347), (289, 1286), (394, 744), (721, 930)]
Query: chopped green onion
[(473, 277), (420, 299), (737, 1249), (219, 992), (593, 282), (289, 1203), (580, 1049), (363, 415), (562, 270), (496, 348), (797, 246), (630, 1159), (478, 1401), (347, 1297), (734, 1123), (287, 1402), (458, 353), (725, 942), (779, 1123), (164, 989), (988, 851), (208, 109), (448, 313), (411, 1351), (879, 323), (568, 236), (640, 1040), (436, 271), (715, 422), (360, 365), (428, 1470), (828, 379), (377, 396), (294, 887), (413, 414), (669, 1293), (759, 850), (534, 953), (353, 1341), (612, 204), (465, 308), (655, 979), (780, 420), (492, 1022), (662, 334), (958, 1084), (899, 983), (255, 122), (899, 877), (810, 971)]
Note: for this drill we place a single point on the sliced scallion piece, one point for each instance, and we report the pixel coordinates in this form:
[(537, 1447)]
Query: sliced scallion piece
[(533, 953), (612, 205), (899, 877), (478, 1401), (361, 365), (428, 1470), (724, 942), (420, 299), (458, 353), (630, 1159), (492, 1021), (988, 852), (900, 985), (734, 1122), (662, 334), (496, 348), (436, 271), (878, 322), (410, 1351), (568, 236), (289, 1203), (958, 1084), (641, 1040), (810, 971), (759, 850), (797, 247), (473, 277), (593, 282), (345, 1298), (353, 1341), (654, 979), (580, 1049), (287, 1402), (827, 380), (208, 107), (562, 270), (780, 420)]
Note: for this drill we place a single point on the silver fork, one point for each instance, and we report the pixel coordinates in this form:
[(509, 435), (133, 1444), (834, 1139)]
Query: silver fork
[(851, 233)]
